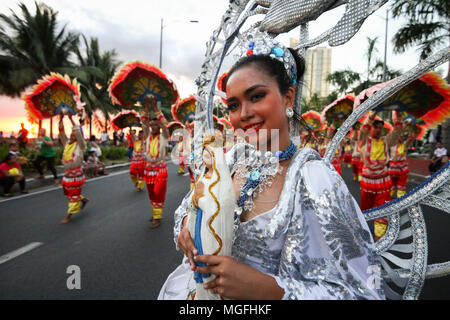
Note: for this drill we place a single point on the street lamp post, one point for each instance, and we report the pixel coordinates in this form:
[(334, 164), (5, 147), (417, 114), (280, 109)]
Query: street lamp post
[(161, 39), (385, 46)]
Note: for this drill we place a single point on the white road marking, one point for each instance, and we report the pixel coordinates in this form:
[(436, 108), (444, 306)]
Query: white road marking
[(20, 251)]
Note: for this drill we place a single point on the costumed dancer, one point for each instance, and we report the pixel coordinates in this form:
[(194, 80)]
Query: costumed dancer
[(137, 165), (375, 182), (398, 164), (72, 159), (307, 140), (298, 232), (348, 151), (356, 157), (181, 157), (155, 153), (130, 138), (322, 146)]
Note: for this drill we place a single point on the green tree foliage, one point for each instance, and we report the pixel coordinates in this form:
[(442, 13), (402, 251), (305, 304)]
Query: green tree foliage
[(31, 46), (428, 25), (94, 84)]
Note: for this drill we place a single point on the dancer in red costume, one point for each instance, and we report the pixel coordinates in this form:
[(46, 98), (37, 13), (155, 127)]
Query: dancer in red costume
[(356, 157), (322, 147), (398, 165), (348, 151), (181, 155), (137, 165), (72, 158), (155, 152), (375, 182)]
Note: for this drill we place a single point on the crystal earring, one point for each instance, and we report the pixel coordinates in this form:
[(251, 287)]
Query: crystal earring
[(289, 112)]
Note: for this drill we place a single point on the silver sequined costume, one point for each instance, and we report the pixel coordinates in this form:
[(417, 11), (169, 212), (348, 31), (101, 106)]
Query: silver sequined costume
[(315, 242)]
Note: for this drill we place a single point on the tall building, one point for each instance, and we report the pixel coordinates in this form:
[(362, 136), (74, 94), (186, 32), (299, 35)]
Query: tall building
[(318, 67)]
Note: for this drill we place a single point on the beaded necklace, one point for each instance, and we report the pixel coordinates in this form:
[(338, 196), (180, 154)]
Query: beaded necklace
[(258, 171)]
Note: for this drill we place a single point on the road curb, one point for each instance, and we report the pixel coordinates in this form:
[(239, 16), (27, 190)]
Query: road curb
[(33, 183)]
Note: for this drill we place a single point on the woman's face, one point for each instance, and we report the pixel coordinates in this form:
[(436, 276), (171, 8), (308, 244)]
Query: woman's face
[(256, 105)]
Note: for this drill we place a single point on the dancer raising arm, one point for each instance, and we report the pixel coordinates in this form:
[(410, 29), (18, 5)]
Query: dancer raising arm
[(72, 158), (156, 136)]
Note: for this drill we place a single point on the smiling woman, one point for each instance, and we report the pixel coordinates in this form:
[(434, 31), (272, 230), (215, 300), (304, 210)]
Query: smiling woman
[(299, 234)]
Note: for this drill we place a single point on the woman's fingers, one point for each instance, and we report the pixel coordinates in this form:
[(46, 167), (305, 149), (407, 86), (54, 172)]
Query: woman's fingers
[(186, 245), (211, 264), (209, 259)]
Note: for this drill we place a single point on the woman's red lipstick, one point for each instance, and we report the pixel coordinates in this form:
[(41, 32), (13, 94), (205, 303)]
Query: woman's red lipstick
[(254, 127)]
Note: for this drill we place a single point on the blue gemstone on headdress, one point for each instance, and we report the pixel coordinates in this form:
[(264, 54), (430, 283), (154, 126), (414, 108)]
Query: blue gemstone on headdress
[(278, 52)]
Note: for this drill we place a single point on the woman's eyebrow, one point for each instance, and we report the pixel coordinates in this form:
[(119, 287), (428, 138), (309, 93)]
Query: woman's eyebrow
[(256, 86), (248, 91)]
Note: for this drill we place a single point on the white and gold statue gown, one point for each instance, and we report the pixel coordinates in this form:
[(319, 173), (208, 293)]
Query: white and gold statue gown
[(315, 242)]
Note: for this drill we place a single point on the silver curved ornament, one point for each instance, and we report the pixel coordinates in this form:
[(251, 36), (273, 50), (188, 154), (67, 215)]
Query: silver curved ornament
[(404, 265)]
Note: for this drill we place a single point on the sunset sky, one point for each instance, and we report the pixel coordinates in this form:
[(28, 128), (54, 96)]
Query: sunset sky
[(132, 27)]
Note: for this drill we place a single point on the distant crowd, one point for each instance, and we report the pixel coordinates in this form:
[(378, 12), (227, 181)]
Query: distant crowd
[(13, 159)]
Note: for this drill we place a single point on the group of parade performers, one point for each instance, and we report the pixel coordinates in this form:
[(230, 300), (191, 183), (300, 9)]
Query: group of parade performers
[(147, 168), (378, 162)]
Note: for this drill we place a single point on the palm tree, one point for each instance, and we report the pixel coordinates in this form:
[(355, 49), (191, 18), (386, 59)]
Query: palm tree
[(428, 27), (344, 80), (314, 103), (33, 47), (370, 53), (100, 68)]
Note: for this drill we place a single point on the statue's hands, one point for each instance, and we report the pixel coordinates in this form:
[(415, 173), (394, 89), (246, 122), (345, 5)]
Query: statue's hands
[(186, 244)]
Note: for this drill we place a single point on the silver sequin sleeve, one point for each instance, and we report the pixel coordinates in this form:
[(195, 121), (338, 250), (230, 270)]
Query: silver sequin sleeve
[(180, 213), (328, 251)]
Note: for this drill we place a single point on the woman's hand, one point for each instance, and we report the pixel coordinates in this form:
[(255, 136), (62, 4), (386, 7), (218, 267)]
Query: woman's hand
[(186, 244), (236, 280)]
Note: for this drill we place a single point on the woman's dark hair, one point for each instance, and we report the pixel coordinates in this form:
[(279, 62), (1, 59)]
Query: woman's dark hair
[(92, 138), (376, 122), (273, 68)]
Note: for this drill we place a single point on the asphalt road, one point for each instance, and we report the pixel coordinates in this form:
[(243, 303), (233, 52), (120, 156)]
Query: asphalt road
[(118, 255)]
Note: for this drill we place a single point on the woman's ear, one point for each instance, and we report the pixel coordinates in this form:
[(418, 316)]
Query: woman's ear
[(289, 98)]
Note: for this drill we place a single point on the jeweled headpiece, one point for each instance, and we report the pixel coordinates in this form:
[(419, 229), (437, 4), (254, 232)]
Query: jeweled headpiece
[(261, 43)]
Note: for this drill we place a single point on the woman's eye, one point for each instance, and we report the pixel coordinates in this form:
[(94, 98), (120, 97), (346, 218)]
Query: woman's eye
[(257, 97), (233, 106)]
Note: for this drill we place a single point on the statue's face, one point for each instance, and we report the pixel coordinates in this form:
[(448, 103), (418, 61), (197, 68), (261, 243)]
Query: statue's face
[(207, 158)]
